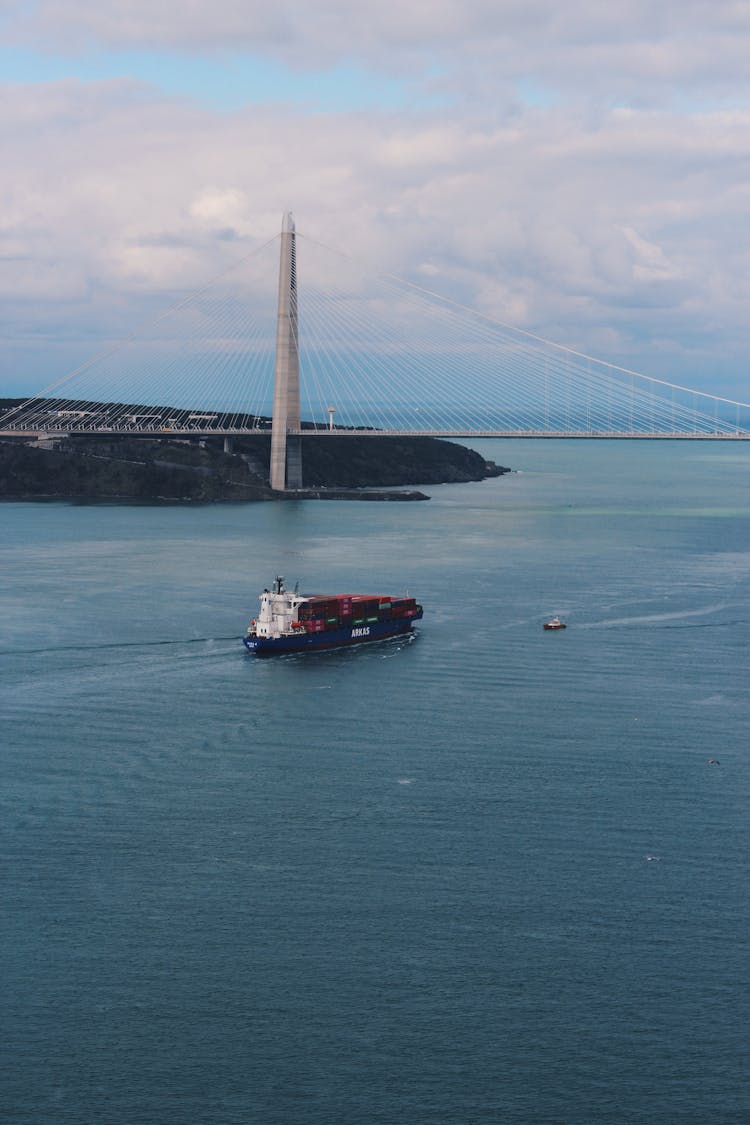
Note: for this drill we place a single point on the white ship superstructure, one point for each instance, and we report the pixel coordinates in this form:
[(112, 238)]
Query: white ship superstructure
[(278, 615)]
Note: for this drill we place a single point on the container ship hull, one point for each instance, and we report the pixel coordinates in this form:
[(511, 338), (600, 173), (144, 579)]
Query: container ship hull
[(333, 638), (295, 623)]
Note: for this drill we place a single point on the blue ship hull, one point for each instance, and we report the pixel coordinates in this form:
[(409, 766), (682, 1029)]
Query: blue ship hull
[(330, 638)]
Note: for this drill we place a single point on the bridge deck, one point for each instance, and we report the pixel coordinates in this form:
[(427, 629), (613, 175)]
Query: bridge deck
[(673, 435)]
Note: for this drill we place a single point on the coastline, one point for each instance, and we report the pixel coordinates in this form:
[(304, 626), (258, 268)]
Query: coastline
[(133, 469)]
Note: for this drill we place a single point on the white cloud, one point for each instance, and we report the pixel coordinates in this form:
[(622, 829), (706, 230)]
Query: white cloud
[(631, 50), (608, 216), (221, 208), (548, 220), (651, 263)]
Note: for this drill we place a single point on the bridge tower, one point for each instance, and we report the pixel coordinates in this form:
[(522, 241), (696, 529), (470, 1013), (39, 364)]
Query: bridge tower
[(286, 451)]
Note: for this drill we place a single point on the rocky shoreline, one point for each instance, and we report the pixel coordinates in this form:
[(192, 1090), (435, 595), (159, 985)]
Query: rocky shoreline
[(170, 470)]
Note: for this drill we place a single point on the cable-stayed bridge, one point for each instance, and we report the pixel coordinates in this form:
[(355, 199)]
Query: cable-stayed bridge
[(335, 350)]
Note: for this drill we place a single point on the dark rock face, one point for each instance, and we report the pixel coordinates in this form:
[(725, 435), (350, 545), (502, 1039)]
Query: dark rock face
[(154, 469), (124, 469), (361, 462)]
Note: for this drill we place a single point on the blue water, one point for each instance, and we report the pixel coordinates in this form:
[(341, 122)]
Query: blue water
[(405, 882)]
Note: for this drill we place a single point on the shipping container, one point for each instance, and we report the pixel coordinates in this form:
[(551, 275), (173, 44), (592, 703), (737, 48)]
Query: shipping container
[(322, 613)]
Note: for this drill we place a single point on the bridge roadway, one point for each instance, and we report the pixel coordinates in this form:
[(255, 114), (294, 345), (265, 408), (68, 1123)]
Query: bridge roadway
[(654, 435)]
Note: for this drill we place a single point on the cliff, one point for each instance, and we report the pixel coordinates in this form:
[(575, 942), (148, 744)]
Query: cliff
[(167, 469)]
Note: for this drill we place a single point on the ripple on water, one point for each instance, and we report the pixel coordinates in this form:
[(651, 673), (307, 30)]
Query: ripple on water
[(385, 881)]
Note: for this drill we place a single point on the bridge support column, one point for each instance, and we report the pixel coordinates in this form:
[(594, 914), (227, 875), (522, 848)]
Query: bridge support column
[(228, 445), (286, 453)]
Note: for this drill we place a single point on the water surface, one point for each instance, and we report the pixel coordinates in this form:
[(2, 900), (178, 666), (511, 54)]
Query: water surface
[(405, 882)]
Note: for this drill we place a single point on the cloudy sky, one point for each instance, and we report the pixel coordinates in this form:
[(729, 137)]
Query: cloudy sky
[(581, 170)]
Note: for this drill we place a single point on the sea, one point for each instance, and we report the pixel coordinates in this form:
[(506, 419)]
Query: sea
[(485, 874)]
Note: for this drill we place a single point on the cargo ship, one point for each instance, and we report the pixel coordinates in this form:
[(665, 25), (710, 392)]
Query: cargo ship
[(292, 622)]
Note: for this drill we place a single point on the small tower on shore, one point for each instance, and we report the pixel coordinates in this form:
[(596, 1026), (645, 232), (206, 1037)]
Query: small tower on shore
[(286, 451)]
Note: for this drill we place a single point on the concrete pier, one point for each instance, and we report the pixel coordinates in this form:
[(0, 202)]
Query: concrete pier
[(286, 451)]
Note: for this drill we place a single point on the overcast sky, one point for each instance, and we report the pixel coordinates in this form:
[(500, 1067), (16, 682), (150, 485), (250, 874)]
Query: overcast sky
[(581, 170)]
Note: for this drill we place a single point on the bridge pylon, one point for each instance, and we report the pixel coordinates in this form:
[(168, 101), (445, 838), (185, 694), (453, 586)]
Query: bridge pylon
[(286, 451)]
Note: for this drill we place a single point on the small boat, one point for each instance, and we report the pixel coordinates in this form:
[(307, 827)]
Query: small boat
[(554, 623)]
